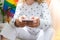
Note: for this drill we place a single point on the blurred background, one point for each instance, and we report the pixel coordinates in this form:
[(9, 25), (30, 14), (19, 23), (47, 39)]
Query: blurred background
[(9, 6)]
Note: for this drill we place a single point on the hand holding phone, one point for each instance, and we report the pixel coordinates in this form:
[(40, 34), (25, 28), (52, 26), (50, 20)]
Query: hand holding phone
[(36, 22), (18, 21)]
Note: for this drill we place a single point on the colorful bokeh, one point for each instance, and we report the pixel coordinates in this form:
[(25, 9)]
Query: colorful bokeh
[(12, 4)]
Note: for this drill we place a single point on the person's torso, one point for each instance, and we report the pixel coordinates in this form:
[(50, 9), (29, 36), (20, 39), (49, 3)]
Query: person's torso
[(31, 10)]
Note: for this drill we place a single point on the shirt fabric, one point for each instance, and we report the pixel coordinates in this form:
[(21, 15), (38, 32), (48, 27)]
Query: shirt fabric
[(37, 10)]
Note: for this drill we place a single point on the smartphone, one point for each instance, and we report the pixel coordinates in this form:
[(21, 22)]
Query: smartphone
[(28, 22)]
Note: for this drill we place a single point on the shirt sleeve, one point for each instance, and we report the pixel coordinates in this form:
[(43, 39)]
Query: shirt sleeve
[(45, 19), (17, 13)]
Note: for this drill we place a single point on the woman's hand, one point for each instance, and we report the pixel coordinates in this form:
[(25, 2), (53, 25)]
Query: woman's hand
[(19, 22), (36, 22)]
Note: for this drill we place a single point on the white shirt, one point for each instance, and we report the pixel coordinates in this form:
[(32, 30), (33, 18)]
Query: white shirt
[(38, 10)]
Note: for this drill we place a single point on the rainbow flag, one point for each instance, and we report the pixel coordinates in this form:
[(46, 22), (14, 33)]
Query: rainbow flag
[(12, 4)]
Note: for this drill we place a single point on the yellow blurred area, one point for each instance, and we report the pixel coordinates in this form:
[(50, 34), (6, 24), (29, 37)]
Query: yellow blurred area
[(12, 2), (54, 6)]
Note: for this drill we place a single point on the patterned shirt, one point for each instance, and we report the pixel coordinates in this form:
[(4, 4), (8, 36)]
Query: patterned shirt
[(37, 10)]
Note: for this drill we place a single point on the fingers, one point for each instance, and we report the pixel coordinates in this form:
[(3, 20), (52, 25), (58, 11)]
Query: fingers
[(32, 17), (35, 19), (22, 17)]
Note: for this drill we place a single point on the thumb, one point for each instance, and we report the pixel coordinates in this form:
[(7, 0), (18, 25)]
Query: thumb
[(32, 17), (36, 18), (20, 19), (23, 17)]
